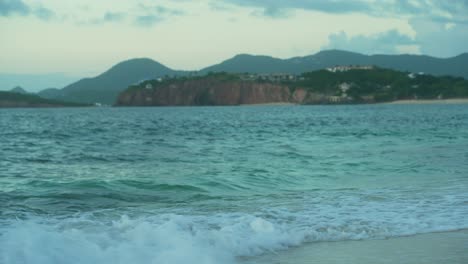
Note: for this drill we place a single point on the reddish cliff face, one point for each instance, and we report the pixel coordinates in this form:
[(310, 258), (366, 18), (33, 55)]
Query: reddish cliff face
[(210, 92)]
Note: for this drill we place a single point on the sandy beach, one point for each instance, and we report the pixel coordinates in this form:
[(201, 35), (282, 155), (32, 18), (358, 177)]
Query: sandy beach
[(271, 104), (435, 101), (446, 247), (398, 102)]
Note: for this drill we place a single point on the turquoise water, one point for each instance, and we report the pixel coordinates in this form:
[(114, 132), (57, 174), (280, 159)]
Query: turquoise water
[(217, 184)]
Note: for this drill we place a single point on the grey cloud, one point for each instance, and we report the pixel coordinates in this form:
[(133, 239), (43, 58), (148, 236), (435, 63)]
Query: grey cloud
[(108, 17), (437, 11), (381, 43), (148, 15), (11, 7), (113, 17), (273, 8), (161, 10), (455, 11), (431, 38), (156, 14), (44, 13), (274, 12), (148, 20), (18, 7)]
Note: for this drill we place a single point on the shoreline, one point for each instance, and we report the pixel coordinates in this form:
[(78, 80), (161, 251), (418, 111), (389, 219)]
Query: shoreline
[(430, 101), (437, 247), (397, 102), (271, 104)]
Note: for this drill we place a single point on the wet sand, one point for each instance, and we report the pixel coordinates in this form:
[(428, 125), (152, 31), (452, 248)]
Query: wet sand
[(447, 247)]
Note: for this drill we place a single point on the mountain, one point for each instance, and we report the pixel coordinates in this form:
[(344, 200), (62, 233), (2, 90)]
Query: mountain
[(18, 90), (253, 64), (105, 87), (35, 82), (14, 99), (51, 93), (455, 66)]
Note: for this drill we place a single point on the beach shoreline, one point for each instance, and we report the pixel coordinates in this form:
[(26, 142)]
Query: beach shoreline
[(439, 247), (271, 104), (397, 102), (430, 101)]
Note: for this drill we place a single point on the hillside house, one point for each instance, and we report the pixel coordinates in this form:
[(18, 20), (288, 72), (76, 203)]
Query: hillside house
[(344, 87), (277, 77), (344, 68)]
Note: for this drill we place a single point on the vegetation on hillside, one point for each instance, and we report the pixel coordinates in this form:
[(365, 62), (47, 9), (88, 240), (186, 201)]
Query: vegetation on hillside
[(384, 84), (362, 85), (9, 99), (167, 80)]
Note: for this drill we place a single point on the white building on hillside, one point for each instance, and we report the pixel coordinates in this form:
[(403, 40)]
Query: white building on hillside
[(343, 68)]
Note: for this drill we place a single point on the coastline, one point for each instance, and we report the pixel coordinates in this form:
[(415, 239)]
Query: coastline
[(397, 102), (442, 247), (270, 104), (431, 101)]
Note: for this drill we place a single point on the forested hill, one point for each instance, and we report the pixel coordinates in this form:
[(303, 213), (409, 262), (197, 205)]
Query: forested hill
[(14, 99), (352, 85)]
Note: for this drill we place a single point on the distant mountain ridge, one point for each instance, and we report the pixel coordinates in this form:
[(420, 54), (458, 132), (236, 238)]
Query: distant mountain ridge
[(15, 99), (105, 87), (18, 90), (51, 93), (455, 66)]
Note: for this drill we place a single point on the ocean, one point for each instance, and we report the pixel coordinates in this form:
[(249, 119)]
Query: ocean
[(225, 184)]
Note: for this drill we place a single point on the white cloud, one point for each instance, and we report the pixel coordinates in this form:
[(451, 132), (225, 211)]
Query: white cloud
[(389, 42), (439, 39)]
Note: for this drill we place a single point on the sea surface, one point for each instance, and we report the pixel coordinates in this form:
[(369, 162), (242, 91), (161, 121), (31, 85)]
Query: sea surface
[(223, 184)]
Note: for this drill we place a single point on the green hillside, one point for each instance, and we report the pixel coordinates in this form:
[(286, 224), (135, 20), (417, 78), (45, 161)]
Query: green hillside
[(12, 99), (353, 85), (383, 84)]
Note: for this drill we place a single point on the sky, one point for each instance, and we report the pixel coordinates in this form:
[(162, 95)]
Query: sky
[(50, 43)]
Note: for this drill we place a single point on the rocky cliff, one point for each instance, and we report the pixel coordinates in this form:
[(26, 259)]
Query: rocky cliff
[(347, 86), (209, 92)]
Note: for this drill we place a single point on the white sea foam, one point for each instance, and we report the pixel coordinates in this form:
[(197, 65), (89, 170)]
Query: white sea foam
[(169, 239), (218, 238)]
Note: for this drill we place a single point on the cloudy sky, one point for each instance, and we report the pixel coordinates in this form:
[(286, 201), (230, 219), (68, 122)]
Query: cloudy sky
[(67, 39)]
